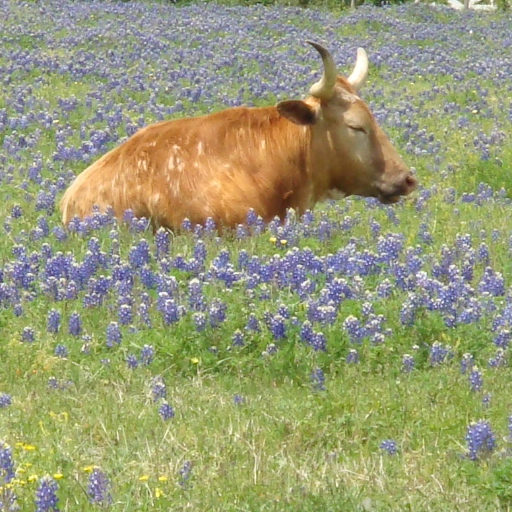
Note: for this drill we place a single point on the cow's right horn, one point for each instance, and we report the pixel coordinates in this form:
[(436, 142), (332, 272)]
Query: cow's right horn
[(325, 87)]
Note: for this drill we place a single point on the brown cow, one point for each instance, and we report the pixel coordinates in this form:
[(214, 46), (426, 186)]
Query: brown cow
[(266, 158)]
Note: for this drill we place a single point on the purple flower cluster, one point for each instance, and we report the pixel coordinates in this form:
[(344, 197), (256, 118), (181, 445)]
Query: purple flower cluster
[(480, 439)]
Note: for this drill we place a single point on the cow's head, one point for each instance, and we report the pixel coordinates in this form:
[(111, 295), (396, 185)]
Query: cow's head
[(346, 138)]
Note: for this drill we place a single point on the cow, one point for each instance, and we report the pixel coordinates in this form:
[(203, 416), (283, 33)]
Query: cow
[(268, 159)]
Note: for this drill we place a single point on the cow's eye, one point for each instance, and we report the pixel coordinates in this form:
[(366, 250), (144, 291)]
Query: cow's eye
[(358, 129)]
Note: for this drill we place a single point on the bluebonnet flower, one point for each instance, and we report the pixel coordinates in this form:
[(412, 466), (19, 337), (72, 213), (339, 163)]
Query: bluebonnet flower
[(407, 363), (466, 363), (354, 329), (195, 298), (7, 495), (186, 224), (6, 463), (52, 382), (318, 341), (498, 359), (385, 288), (237, 338), (131, 361), (438, 353), (185, 473), (169, 310), (502, 337), (317, 379), (352, 356), (158, 389), (486, 399), (253, 323), (61, 350), (147, 353), (475, 379), (113, 334), (238, 399), (16, 211), (166, 411), (125, 314), (389, 446), (74, 324), (27, 334), (217, 312), (277, 326), (98, 488), (199, 320), (46, 497), (271, 348), (53, 321), (162, 241), (139, 254), (480, 439), (492, 282)]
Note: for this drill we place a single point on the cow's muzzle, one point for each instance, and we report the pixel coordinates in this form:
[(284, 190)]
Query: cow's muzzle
[(390, 191)]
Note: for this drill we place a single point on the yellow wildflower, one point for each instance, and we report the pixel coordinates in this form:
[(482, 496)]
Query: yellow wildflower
[(143, 478), (57, 475), (158, 492)]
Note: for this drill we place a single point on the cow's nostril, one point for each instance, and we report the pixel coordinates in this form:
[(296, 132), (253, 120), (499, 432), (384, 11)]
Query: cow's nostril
[(410, 181)]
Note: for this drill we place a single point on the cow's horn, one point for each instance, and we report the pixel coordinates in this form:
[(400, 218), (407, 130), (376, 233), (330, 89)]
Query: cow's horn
[(325, 87), (358, 76)]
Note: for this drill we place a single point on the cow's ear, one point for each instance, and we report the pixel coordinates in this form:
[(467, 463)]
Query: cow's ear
[(297, 112)]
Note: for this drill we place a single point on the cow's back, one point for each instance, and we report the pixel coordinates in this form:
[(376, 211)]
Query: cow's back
[(218, 166)]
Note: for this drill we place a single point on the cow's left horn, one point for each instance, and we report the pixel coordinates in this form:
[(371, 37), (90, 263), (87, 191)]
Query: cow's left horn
[(325, 87), (358, 76)]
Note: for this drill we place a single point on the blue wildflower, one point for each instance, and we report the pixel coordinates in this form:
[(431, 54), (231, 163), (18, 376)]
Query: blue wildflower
[(147, 353), (317, 379), (480, 439), (352, 357), (7, 495), (466, 363), (113, 334), (131, 361), (407, 363), (61, 350), (238, 399), (475, 379), (389, 446), (98, 488), (158, 389), (185, 473), (53, 321), (74, 324), (27, 334), (166, 411), (46, 497), (438, 353), (6, 463)]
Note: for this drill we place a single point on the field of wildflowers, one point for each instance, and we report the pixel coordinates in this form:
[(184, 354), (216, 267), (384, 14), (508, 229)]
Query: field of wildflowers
[(354, 359)]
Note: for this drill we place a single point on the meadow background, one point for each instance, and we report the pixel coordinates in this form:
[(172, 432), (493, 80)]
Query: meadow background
[(356, 359)]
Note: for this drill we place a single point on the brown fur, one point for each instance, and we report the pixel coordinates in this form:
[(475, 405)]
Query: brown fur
[(222, 164)]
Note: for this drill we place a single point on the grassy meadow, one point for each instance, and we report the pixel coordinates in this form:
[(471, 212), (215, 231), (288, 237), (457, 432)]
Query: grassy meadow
[(355, 359)]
